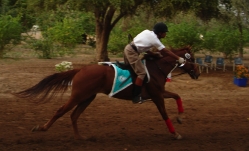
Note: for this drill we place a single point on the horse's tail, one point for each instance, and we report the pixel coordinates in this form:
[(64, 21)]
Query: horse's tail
[(49, 87)]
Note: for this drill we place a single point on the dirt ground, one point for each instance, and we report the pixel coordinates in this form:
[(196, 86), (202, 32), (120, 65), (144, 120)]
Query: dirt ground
[(216, 115)]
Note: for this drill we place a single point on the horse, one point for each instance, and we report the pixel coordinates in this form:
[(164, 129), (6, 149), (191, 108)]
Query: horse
[(89, 80)]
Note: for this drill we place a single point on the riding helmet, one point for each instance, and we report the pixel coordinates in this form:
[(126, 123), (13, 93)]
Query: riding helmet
[(160, 28)]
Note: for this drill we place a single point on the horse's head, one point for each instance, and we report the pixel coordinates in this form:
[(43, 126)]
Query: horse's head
[(189, 65)]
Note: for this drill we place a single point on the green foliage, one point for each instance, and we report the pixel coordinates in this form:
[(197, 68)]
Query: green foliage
[(183, 34), (50, 18), (203, 9), (62, 30), (4, 6), (10, 32), (246, 36), (63, 23), (19, 8), (227, 40), (119, 35), (129, 26), (68, 33), (209, 40), (117, 41), (44, 47), (223, 38)]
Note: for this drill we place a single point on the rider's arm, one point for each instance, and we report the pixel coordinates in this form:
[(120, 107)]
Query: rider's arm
[(170, 53)]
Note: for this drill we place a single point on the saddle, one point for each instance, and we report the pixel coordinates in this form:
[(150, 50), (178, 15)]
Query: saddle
[(124, 66), (124, 76)]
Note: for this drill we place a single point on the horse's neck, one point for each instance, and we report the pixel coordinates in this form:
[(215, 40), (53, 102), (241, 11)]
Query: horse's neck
[(158, 68), (181, 52), (163, 66)]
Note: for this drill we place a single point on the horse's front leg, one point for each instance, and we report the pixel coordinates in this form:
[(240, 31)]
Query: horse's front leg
[(159, 101), (178, 99)]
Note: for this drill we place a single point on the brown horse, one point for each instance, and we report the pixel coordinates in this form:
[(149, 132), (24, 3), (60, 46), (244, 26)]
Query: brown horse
[(93, 79)]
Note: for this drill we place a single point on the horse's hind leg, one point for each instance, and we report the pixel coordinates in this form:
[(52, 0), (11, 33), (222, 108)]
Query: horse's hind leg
[(76, 114), (60, 112)]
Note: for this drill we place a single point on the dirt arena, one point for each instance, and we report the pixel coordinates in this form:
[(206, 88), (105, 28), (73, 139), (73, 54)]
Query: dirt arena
[(216, 115)]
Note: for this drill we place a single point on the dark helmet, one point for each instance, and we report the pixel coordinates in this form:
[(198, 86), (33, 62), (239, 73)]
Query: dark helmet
[(160, 28)]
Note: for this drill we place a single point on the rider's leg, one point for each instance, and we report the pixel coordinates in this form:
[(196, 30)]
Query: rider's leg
[(139, 69), (136, 94), (132, 57)]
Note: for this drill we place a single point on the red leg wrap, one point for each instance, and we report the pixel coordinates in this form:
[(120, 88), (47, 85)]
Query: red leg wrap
[(170, 126), (179, 105)]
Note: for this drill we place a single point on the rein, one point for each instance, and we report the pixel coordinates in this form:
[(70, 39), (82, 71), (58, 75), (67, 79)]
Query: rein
[(176, 65), (187, 57)]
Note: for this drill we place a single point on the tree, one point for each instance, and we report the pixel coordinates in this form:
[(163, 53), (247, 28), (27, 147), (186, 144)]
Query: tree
[(236, 13), (108, 12), (204, 9), (186, 30)]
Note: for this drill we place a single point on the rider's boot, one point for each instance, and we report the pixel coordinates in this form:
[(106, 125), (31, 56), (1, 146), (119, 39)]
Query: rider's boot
[(136, 94)]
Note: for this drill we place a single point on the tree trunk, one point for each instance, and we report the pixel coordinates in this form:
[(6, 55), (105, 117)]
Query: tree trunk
[(1, 51), (104, 25), (102, 38), (241, 41), (239, 23)]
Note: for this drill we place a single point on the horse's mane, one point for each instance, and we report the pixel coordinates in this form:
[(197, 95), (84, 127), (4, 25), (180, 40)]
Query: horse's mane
[(174, 50), (186, 48), (156, 57)]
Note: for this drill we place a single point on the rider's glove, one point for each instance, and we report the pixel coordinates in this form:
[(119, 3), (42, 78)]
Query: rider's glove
[(181, 60)]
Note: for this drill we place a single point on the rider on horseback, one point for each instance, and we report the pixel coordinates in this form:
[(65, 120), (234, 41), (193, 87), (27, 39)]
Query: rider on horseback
[(143, 42)]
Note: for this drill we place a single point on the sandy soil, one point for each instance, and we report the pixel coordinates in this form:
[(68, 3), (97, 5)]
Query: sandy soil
[(216, 115)]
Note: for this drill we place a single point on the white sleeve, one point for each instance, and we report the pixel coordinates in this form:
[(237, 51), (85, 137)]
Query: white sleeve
[(158, 44)]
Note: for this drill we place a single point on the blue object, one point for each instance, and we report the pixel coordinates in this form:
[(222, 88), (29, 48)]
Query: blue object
[(121, 81), (199, 61), (238, 61), (208, 59), (220, 61), (242, 82)]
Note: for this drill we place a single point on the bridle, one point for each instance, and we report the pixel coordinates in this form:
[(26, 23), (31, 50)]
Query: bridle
[(180, 65), (188, 60)]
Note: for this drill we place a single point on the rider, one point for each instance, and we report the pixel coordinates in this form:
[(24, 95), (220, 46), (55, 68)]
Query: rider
[(142, 43)]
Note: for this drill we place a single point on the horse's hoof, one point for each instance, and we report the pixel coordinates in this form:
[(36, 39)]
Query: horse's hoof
[(36, 128), (177, 136), (179, 120)]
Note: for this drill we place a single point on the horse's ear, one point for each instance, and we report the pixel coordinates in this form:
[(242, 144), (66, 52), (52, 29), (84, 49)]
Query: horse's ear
[(189, 47), (171, 48)]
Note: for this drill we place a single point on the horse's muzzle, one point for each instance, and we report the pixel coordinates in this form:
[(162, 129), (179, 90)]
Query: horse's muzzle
[(193, 74)]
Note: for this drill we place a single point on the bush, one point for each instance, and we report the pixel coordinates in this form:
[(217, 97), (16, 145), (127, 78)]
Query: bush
[(221, 38), (44, 47), (60, 38), (119, 38), (117, 41), (68, 33), (227, 41), (183, 34), (10, 32)]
